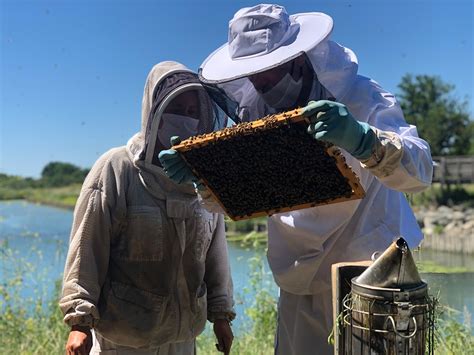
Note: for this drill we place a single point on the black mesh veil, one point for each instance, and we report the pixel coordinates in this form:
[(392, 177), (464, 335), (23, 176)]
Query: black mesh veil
[(239, 99), (211, 116), (218, 95)]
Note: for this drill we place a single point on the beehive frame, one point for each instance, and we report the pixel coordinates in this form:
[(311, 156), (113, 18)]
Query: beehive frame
[(274, 121)]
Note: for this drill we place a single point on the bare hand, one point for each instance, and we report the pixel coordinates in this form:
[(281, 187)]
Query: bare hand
[(224, 335), (79, 341)]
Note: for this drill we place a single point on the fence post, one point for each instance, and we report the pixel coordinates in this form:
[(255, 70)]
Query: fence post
[(459, 172), (443, 171)]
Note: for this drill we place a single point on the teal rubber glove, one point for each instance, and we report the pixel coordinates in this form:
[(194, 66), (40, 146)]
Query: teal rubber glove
[(174, 165), (332, 122)]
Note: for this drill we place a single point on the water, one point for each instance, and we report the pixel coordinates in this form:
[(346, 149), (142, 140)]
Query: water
[(38, 236)]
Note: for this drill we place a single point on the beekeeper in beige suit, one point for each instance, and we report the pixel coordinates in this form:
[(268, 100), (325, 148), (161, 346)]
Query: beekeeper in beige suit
[(147, 265)]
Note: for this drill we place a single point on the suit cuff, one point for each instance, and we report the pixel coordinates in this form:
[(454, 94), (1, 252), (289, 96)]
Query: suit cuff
[(386, 154)]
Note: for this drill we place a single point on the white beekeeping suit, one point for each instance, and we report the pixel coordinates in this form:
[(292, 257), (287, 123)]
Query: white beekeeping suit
[(302, 245)]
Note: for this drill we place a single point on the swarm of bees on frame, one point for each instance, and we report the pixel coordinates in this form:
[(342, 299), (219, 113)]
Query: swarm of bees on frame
[(269, 167)]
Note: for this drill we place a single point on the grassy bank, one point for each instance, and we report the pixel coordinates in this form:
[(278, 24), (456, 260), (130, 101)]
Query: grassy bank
[(65, 196), (437, 195), (433, 268)]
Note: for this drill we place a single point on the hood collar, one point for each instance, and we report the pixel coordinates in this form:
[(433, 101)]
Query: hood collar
[(152, 176)]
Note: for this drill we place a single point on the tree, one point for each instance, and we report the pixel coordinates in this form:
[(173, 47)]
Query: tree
[(440, 119), (62, 174)]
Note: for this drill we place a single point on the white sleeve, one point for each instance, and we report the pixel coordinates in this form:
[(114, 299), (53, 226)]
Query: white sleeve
[(400, 159)]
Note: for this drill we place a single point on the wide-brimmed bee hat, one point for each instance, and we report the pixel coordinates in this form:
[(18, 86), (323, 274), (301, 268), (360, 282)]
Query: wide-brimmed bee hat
[(262, 37)]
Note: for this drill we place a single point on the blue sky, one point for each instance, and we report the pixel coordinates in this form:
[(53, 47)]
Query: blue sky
[(72, 72)]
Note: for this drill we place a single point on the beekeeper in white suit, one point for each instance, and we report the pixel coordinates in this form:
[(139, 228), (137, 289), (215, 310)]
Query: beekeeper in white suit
[(274, 62)]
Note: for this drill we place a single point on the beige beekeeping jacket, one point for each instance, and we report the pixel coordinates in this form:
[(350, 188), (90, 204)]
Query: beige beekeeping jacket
[(146, 263)]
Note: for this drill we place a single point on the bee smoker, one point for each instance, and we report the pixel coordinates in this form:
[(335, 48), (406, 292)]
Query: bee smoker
[(388, 310)]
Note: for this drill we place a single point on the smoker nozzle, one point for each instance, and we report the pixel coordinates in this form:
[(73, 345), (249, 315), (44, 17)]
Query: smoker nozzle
[(394, 268)]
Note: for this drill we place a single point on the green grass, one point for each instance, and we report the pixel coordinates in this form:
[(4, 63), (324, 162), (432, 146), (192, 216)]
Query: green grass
[(31, 325), (434, 268), (249, 239), (38, 332), (436, 195), (453, 337), (65, 196), (245, 344)]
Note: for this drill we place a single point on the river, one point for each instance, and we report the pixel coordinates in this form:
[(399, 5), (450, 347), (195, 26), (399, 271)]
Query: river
[(34, 239)]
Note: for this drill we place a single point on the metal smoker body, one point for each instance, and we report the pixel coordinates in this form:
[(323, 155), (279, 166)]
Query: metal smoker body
[(388, 310)]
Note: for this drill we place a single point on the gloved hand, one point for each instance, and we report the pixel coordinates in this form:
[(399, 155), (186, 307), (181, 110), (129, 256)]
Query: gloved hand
[(175, 166), (332, 122)]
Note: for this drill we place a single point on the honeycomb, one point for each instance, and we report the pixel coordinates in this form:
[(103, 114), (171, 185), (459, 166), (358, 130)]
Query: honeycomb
[(269, 166)]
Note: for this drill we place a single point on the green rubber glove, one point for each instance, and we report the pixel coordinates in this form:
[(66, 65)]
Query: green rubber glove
[(332, 122), (175, 166)]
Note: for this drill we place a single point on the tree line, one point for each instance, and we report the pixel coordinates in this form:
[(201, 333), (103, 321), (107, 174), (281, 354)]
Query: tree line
[(441, 119), (54, 174)]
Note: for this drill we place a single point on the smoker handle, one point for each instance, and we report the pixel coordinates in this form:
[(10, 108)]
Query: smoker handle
[(403, 335)]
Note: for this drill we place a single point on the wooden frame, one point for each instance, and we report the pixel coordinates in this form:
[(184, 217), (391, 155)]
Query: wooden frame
[(273, 121), (341, 277)]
